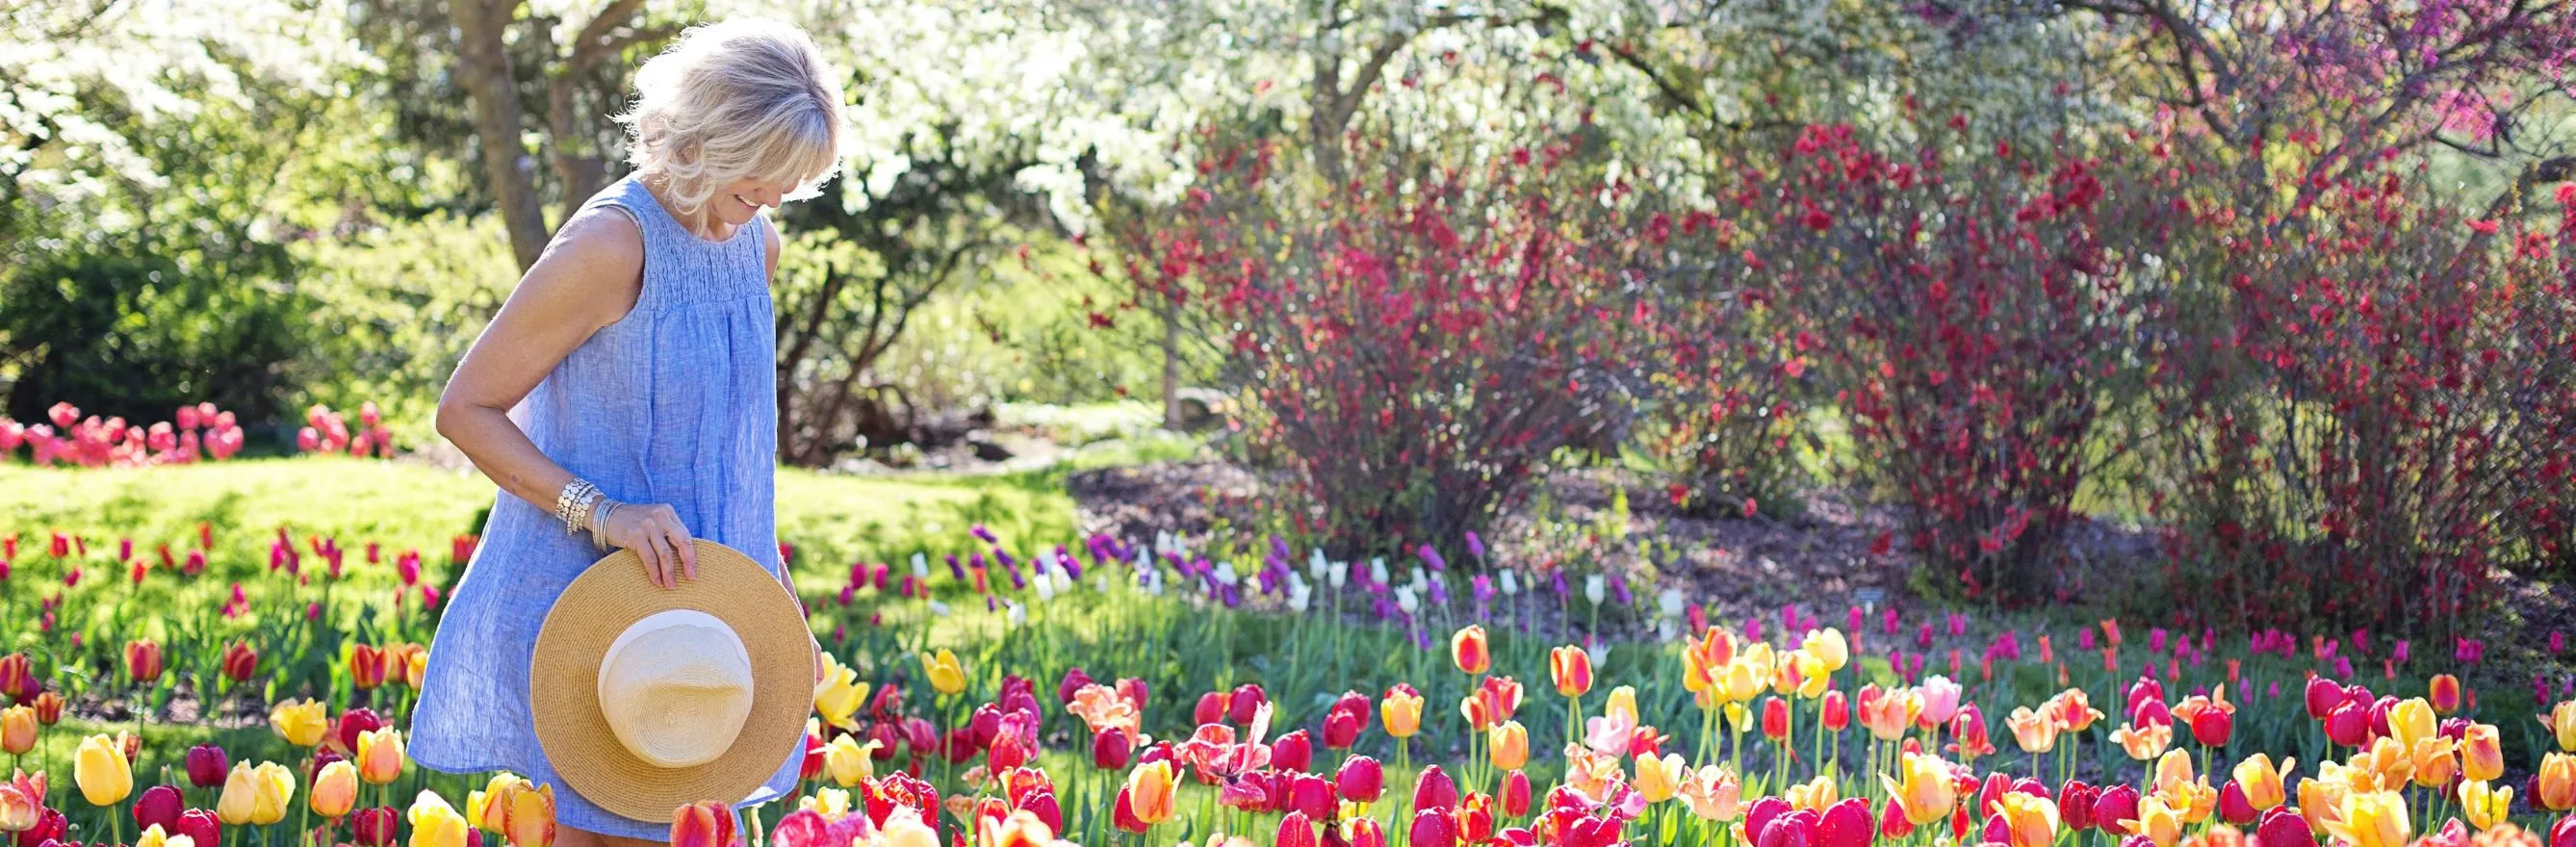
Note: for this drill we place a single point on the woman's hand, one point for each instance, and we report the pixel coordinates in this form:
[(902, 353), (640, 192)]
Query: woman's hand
[(654, 532)]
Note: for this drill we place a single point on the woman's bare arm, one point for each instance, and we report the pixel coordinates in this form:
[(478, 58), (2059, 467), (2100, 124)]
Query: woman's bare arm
[(588, 278)]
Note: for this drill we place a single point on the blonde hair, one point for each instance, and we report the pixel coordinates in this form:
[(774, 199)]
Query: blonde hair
[(740, 99)]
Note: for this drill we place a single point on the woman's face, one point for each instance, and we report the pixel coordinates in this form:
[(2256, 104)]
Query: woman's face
[(735, 204)]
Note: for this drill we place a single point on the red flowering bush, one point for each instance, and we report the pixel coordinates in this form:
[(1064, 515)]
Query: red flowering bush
[(1974, 315), (1417, 341), (2375, 398)]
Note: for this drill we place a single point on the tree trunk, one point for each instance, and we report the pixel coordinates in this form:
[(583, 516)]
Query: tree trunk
[(509, 172), (1171, 366)]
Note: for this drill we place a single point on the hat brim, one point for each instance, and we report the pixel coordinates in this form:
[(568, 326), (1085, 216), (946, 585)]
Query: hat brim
[(612, 594)]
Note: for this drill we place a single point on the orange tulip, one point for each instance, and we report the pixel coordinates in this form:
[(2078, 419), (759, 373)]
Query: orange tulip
[(2262, 783), (2030, 821), (705, 823), (1705, 660), (2555, 786), (527, 814), (2073, 710), (380, 755), (1149, 792), (2433, 761), (335, 790), (2481, 753), (2034, 731), (2561, 722), (1510, 745), (2445, 693), (366, 667), (1470, 650), (2143, 744), (1402, 712), (17, 730), (143, 659), (1572, 670)]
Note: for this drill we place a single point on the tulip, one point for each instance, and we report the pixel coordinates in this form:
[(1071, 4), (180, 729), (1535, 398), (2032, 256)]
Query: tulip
[(946, 675), (1146, 799), (143, 660), (2161, 824), (2116, 810), (2143, 744), (155, 836), (2481, 753), (838, 696), (1110, 749), (1828, 646), (2372, 819), (2075, 802), (527, 815), (17, 730), (2434, 762), (2073, 710), (1246, 702), (1292, 752), (200, 827), (240, 795), (1846, 824), (2410, 721), (1797, 828), (1940, 700), (1434, 789), (366, 667), (2028, 821), (2554, 787), (206, 766), (1508, 745), (2349, 724), (1659, 780), (1470, 650), (49, 707), (1969, 726), (1360, 779), (1363, 832), (1211, 708), (1775, 719), (1814, 795), (373, 827), (240, 662), (274, 788), (335, 790), (1434, 828), (2284, 827), (706, 823), (300, 722), (1295, 830), (2485, 807), (2561, 722), (2034, 731), (1342, 724), (22, 803), (1516, 794), (2263, 785), (1926, 794), (2233, 807), (2445, 694), (847, 760), (17, 674), (158, 806), (1401, 711), (1835, 713), (101, 771), (380, 756), (1571, 669)]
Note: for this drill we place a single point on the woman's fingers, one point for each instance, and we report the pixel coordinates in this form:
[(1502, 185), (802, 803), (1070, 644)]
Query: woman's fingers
[(652, 556)]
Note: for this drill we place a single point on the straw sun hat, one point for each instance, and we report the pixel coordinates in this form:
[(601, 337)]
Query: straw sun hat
[(648, 699)]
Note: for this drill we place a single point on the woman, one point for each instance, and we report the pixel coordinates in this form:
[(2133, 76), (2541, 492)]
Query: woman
[(642, 347)]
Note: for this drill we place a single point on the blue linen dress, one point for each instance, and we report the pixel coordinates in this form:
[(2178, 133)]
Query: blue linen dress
[(675, 403)]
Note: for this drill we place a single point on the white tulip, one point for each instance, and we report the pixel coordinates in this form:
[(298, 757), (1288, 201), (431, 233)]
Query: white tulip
[(1595, 587), (1377, 570), (1339, 575), (920, 566), (1669, 601), (1511, 584), (938, 608), (1404, 599)]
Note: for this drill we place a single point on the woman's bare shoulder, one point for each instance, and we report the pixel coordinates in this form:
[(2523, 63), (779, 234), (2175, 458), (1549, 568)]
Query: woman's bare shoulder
[(597, 260)]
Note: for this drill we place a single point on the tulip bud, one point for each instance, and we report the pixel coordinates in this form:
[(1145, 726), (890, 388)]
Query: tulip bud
[(1434, 827), (1361, 779), (374, 827), (206, 766), (705, 823), (1292, 752), (1211, 708), (1775, 719), (2117, 803), (158, 806), (1846, 824), (200, 827), (1435, 790), (1245, 703)]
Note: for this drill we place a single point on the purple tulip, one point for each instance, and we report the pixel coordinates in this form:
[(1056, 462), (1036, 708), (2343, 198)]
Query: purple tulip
[(1475, 546), (1432, 557)]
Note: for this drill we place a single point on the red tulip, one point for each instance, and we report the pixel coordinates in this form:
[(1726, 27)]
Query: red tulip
[(366, 667), (2213, 726), (2233, 806), (2117, 803), (1795, 829), (1837, 711), (143, 660), (2563, 834), (1074, 680), (1516, 795), (1246, 703), (1313, 795), (1892, 824), (1846, 824), (2445, 694), (1435, 790), (201, 826), (2379, 715), (207, 765), (1342, 728), (1296, 830), (1502, 697), (2349, 725), (49, 707), (1365, 832), (18, 676), (1292, 752), (1759, 815), (1111, 748), (240, 662), (706, 823), (2075, 805), (49, 827), (374, 827), (158, 806), (1361, 779), (1434, 828), (812, 766), (1211, 708), (1775, 719)]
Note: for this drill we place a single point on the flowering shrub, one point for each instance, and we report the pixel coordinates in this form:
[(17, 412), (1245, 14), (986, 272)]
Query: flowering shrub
[(197, 431), (2375, 404), (1420, 339), (1970, 312)]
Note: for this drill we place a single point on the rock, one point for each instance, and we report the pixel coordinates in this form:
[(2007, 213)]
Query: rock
[(1202, 409), (987, 450)]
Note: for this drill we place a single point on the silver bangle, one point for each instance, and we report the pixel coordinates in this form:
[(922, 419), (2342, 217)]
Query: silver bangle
[(599, 522), (572, 505)]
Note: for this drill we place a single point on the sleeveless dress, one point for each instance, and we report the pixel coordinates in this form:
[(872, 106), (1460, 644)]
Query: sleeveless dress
[(675, 403)]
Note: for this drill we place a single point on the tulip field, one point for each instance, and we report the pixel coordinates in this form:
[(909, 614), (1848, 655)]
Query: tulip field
[(209, 658)]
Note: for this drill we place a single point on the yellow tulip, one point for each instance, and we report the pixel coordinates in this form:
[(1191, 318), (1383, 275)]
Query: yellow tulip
[(2561, 721), (2030, 820), (275, 787), (335, 790), (831, 803), (1149, 792), (434, 823), (2172, 770), (1402, 712), (2554, 788), (2321, 798), (17, 730), (1816, 795), (847, 760), (301, 722), (2262, 783), (2034, 731), (1508, 745), (2433, 761), (2412, 720), (2160, 823), (1659, 779), (1813, 676), (1744, 678), (2372, 819), (2388, 764), (1623, 706), (2481, 753), (241, 792), (1927, 794), (153, 837), (479, 813), (102, 773), (905, 829), (838, 696), (946, 675), (1828, 645), (2485, 807), (528, 814), (380, 757)]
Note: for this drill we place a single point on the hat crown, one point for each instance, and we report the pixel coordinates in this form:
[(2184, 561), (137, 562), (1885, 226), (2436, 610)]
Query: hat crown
[(676, 688)]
